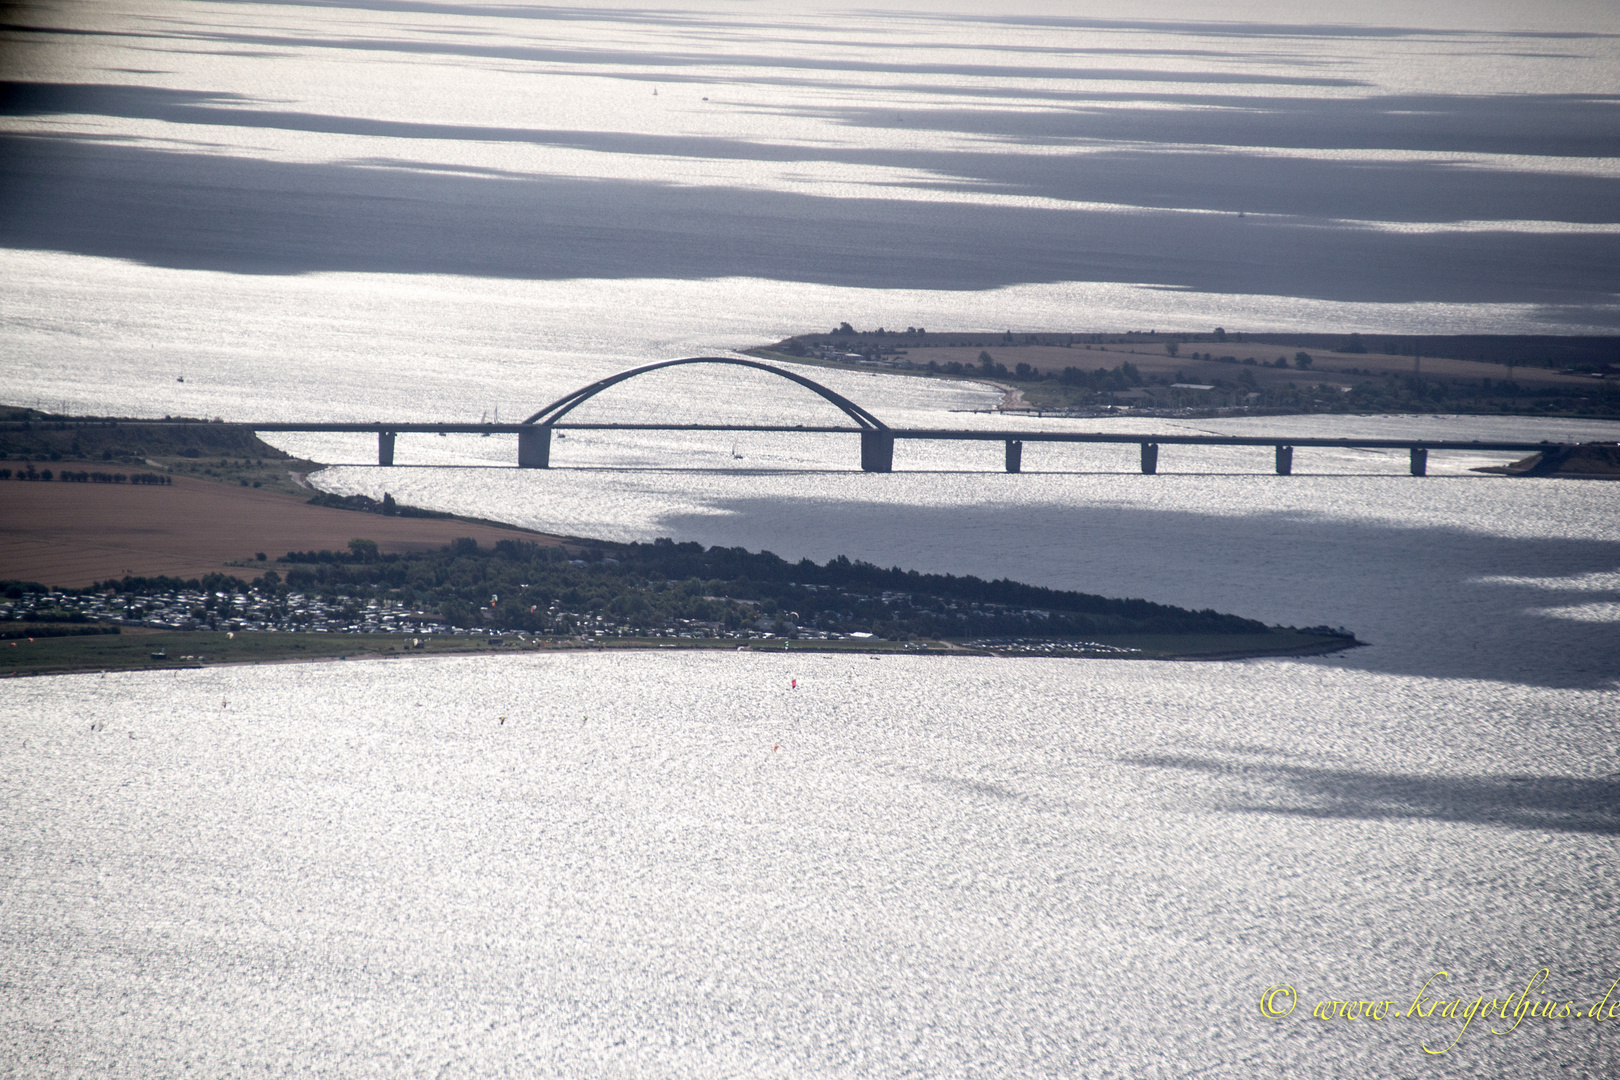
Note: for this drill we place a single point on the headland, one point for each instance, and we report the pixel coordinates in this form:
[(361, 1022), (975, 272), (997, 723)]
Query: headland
[(218, 554), (1221, 373)]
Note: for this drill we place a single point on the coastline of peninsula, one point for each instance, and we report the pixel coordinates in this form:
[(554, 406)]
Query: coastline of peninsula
[(1235, 373), (350, 577)]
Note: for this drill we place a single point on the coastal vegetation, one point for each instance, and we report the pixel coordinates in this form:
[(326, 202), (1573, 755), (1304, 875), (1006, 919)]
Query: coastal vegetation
[(100, 449), (632, 589), (1587, 461), (637, 589), (517, 590), (1220, 372), (533, 595)]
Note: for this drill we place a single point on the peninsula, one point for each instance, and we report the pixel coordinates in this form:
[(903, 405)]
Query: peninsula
[(152, 555), (1235, 373)]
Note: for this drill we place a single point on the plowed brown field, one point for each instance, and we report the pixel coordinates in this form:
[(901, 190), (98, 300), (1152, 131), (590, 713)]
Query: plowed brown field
[(70, 534)]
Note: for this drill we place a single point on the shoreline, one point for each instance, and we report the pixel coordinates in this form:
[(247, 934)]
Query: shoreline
[(138, 651), (108, 549), (1178, 375)]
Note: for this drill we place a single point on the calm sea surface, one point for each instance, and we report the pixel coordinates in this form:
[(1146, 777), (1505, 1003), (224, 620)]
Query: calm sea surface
[(659, 865)]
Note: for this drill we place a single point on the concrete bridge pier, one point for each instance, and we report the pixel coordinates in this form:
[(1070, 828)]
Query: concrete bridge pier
[(1420, 461), (1150, 458), (1015, 455), (877, 450), (1285, 460), (385, 447), (534, 447)]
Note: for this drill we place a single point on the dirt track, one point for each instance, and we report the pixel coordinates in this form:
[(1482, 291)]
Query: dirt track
[(72, 534)]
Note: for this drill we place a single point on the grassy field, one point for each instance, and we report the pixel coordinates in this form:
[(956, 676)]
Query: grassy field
[(138, 649), (224, 453)]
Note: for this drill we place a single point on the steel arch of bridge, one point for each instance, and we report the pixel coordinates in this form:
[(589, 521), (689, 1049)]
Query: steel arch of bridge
[(549, 415)]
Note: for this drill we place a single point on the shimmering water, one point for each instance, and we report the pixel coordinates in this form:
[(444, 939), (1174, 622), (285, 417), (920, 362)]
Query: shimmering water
[(665, 865), (1454, 574), (678, 865)]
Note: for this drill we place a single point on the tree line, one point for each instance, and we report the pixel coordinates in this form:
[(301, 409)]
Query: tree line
[(518, 585)]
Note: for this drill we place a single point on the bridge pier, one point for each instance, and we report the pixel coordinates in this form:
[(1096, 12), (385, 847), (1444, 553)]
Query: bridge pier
[(877, 450), (1150, 458), (534, 447), (1015, 455), (385, 447), (1420, 461), (1285, 460)]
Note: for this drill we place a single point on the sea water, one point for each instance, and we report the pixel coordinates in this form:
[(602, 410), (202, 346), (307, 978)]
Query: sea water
[(678, 864), (655, 864), (663, 863)]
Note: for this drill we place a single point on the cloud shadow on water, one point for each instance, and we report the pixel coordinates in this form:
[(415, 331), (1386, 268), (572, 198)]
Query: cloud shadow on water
[(1550, 803), (1212, 28), (1423, 597), (215, 212), (610, 60), (1554, 125), (1166, 178)]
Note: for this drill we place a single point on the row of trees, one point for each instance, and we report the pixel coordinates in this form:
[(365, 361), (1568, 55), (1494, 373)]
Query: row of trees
[(86, 477), (522, 586)]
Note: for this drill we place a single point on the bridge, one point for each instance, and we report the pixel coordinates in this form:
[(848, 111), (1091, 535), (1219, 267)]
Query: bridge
[(877, 439)]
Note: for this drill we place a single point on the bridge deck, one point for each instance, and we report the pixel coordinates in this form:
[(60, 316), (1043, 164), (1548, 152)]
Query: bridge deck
[(380, 427), (876, 438)]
